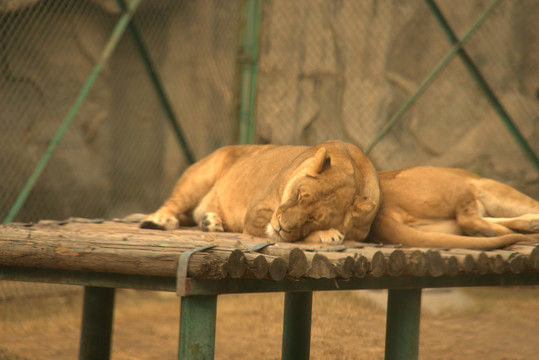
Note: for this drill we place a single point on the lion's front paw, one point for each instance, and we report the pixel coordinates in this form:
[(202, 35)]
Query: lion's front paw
[(160, 221), (211, 222), (331, 236)]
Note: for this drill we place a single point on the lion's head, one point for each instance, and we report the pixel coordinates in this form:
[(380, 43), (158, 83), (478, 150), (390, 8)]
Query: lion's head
[(323, 193)]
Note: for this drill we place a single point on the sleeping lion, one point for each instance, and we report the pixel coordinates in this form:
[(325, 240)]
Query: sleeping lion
[(452, 208), (322, 194)]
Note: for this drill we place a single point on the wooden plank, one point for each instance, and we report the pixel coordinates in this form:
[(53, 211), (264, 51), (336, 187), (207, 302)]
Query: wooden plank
[(123, 248)]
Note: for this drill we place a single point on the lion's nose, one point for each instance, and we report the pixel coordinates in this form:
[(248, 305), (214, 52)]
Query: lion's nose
[(281, 228), (279, 223)]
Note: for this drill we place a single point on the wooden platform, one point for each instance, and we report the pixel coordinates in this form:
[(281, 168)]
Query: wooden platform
[(123, 248), (103, 255)]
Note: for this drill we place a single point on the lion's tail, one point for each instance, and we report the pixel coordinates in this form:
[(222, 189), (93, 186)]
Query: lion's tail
[(398, 233)]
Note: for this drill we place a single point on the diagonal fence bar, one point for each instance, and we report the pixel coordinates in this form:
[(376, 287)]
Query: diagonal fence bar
[(428, 80), (480, 80), (115, 37), (157, 84)]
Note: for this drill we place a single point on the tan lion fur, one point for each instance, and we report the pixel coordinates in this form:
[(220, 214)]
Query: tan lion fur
[(323, 193), (444, 207)]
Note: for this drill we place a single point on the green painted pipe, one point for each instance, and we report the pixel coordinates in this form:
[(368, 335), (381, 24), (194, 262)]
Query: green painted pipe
[(402, 325), (480, 80), (117, 33), (249, 71), (97, 318), (297, 325), (433, 75), (198, 316)]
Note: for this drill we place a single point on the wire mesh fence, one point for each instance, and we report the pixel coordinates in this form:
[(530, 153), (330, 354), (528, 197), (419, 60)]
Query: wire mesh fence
[(343, 69), (326, 70), (119, 155)]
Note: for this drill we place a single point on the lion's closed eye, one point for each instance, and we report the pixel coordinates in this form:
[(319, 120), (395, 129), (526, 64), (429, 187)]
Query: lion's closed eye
[(311, 219), (303, 197)]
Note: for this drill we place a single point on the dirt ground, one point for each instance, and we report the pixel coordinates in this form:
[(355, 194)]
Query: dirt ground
[(501, 324)]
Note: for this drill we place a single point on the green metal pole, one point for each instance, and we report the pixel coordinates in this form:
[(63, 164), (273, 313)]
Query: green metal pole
[(197, 327), (96, 329), (119, 29), (480, 80), (423, 86), (402, 327), (249, 71), (156, 82), (297, 325)]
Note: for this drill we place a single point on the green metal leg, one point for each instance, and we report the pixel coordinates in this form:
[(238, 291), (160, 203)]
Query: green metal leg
[(402, 328), (96, 332), (297, 325), (197, 327)]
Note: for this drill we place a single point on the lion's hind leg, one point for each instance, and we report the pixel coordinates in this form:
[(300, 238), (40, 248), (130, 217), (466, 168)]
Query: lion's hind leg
[(507, 207), (528, 224), (503, 201), (469, 211)]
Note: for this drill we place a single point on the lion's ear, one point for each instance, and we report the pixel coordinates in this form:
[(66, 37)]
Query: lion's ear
[(362, 205), (319, 163)]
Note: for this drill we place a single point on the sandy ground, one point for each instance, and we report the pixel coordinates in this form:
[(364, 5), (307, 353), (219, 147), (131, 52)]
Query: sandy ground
[(493, 324)]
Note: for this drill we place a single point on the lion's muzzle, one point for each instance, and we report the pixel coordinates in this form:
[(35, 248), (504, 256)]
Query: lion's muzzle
[(277, 232)]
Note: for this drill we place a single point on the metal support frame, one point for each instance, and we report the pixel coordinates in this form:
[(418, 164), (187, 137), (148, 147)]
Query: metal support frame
[(297, 325), (97, 316), (402, 324), (197, 327), (197, 287), (199, 307)]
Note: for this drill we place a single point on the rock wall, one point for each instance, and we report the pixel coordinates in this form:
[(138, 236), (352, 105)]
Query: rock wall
[(327, 69), (342, 69)]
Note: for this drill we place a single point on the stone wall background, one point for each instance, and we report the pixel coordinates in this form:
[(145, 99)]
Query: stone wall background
[(327, 70)]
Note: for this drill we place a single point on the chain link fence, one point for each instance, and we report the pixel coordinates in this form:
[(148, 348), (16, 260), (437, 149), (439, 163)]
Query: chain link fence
[(120, 153), (345, 69)]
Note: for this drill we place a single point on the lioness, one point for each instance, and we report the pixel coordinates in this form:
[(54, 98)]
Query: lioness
[(435, 207), (324, 193)]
